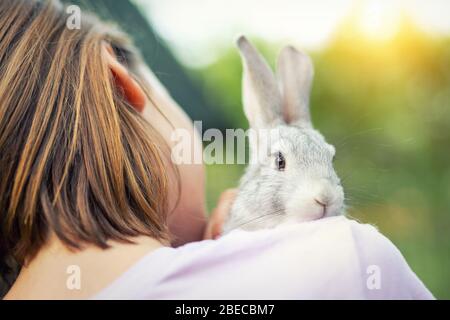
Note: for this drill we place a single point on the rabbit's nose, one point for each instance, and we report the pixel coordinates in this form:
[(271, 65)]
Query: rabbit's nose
[(321, 202)]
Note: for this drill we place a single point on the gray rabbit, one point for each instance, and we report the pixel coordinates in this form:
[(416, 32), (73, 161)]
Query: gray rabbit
[(293, 179)]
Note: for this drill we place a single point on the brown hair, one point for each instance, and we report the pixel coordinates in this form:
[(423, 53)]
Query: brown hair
[(76, 160)]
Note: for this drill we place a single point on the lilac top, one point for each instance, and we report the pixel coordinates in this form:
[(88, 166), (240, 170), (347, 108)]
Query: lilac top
[(332, 258)]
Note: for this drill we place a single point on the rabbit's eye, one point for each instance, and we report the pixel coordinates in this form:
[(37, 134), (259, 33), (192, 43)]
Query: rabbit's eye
[(280, 162)]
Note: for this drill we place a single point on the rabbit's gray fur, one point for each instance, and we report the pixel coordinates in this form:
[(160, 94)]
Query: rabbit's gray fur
[(308, 188)]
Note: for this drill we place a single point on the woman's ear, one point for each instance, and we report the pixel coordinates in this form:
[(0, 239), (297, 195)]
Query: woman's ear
[(131, 89)]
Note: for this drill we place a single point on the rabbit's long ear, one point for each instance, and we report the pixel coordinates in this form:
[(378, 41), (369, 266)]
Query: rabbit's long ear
[(261, 95), (295, 73)]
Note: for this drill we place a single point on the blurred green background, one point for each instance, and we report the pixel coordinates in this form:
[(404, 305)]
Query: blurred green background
[(381, 96)]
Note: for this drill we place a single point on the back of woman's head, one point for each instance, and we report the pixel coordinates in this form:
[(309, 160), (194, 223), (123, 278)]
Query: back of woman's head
[(76, 160)]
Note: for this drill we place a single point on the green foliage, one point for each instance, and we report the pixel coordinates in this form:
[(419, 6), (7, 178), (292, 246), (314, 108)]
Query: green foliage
[(385, 106)]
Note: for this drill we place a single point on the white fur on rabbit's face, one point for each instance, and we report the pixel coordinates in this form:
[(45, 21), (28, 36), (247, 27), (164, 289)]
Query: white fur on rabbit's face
[(293, 179)]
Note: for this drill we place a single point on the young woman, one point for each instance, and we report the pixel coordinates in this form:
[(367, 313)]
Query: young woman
[(87, 184)]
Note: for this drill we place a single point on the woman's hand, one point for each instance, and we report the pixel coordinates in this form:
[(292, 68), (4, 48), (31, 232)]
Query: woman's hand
[(220, 214)]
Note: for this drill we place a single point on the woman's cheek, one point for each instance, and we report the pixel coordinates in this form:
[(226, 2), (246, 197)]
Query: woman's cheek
[(187, 217)]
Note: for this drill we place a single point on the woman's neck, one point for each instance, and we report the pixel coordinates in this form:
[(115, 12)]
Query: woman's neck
[(59, 273)]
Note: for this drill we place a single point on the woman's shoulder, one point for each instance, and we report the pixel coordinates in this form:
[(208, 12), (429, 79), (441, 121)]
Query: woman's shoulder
[(329, 258)]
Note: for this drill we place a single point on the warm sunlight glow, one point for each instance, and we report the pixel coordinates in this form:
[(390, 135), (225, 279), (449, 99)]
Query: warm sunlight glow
[(198, 30), (379, 20)]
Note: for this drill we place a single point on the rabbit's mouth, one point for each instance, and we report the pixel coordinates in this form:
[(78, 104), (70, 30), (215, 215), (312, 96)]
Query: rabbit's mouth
[(322, 215), (325, 210), (315, 212), (311, 215), (325, 213)]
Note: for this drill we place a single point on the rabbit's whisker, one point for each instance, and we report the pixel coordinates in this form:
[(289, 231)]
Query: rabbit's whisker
[(268, 215)]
